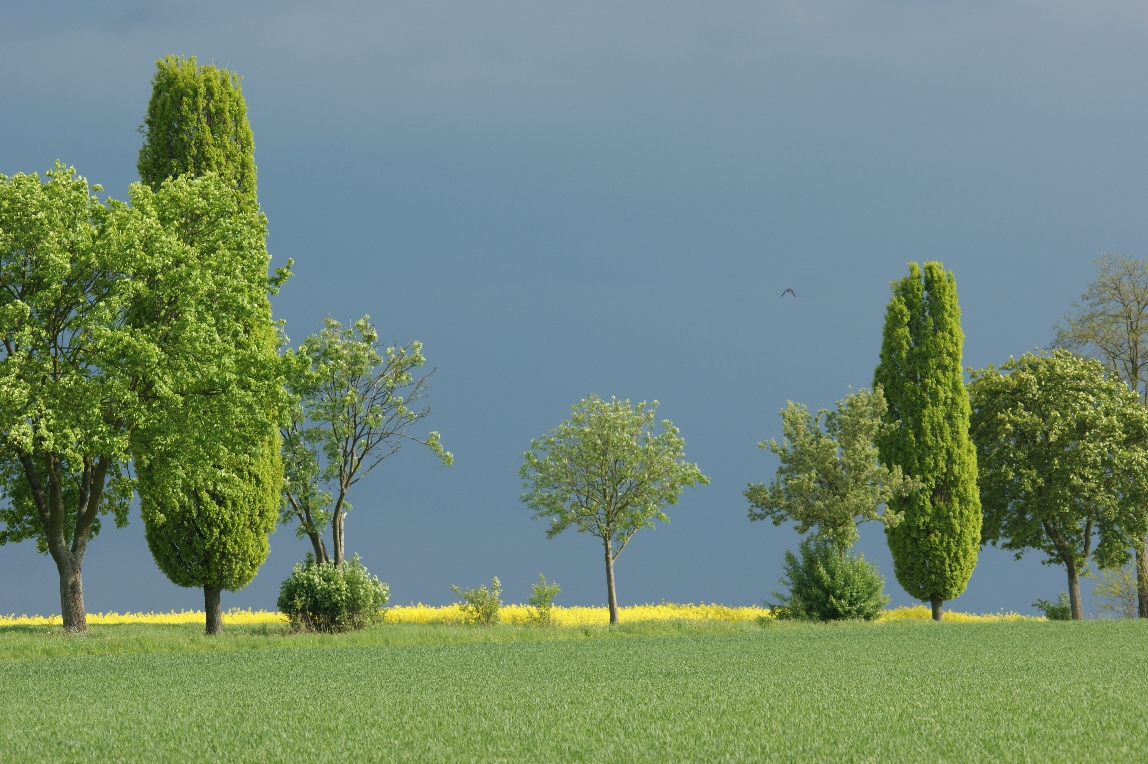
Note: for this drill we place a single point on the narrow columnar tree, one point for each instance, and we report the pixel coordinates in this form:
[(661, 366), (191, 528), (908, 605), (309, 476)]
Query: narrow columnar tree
[(1111, 323), (1063, 461), (196, 123), (935, 545), (207, 455), (829, 479), (606, 472), (196, 126)]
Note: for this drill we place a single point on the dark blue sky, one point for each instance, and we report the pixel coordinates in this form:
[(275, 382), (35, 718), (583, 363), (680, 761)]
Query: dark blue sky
[(560, 199)]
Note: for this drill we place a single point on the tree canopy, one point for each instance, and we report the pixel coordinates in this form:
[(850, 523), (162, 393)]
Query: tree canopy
[(830, 479), (1063, 461), (606, 472)]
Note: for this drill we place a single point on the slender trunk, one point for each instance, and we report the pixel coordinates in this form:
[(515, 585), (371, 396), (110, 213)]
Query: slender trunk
[(1142, 579), (72, 594), (612, 597), (1074, 592), (319, 546), (212, 608), (338, 527), (938, 612)]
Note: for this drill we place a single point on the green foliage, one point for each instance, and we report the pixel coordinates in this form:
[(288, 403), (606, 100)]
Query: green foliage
[(542, 596), (935, 546), (74, 373), (210, 464), (830, 479), (209, 527), (480, 606), (826, 584), (1062, 460), (207, 455), (605, 472), (196, 124), (323, 596), (1055, 610), (1117, 591), (355, 405)]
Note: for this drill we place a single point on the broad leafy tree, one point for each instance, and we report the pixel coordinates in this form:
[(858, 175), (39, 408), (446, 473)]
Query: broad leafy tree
[(935, 545), (1110, 322), (355, 407), (196, 126), (1061, 452), (71, 371), (830, 479), (605, 471)]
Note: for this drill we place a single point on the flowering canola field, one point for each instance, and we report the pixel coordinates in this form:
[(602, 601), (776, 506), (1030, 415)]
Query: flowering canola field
[(511, 614)]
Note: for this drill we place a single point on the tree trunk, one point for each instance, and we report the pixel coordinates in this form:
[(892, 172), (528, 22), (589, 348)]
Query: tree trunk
[(212, 609), (1142, 579), (72, 594), (938, 612), (1074, 593), (319, 546), (611, 596), (337, 530)]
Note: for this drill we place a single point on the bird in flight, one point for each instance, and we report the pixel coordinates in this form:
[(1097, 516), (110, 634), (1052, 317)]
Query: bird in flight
[(790, 291)]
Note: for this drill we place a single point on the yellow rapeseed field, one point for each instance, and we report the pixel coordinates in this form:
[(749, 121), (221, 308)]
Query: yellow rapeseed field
[(511, 614)]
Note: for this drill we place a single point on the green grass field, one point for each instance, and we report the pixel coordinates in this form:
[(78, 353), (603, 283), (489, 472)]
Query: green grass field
[(1039, 691)]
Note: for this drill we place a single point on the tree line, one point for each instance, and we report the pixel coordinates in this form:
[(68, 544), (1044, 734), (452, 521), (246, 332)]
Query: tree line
[(140, 356), (1047, 452)]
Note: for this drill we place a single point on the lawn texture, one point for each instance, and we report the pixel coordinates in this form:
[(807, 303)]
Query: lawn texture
[(1010, 691)]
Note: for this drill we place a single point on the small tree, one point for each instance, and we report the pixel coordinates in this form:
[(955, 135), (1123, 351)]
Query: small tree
[(1058, 444), (825, 585), (1117, 592), (355, 408), (830, 479), (542, 596), (605, 472), (481, 606), (1111, 323), (935, 546)]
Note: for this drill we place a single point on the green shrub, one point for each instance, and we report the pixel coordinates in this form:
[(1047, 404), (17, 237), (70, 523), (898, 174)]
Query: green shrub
[(480, 606), (1060, 610), (325, 597), (542, 597), (826, 585)]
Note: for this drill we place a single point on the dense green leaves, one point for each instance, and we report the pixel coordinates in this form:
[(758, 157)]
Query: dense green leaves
[(826, 584), (323, 596), (196, 123), (830, 479), (1062, 457), (74, 373), (606, 472), (935, 546)]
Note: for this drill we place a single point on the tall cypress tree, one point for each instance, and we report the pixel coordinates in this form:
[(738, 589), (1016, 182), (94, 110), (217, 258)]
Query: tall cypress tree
[(196, 123), (935, 546), (210, 501)]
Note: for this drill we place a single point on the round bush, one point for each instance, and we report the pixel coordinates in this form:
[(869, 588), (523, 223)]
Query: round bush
[(324, 597), (827, 585)]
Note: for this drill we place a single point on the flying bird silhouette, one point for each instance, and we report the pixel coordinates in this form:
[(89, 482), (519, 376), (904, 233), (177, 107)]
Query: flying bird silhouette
[(790, 292)]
